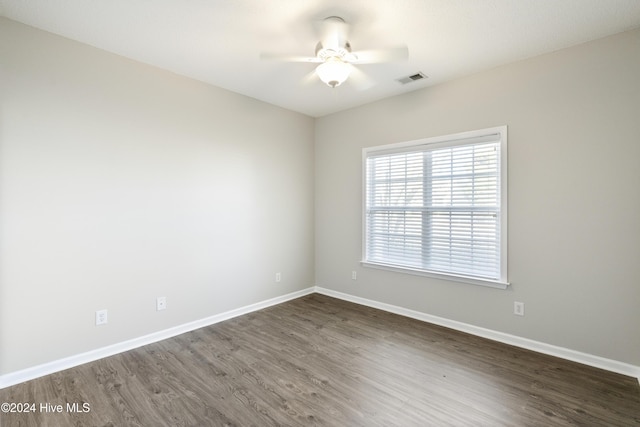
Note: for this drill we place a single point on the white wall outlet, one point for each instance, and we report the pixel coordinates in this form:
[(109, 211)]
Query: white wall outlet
[(354, 275), (518, 308), (161, 303), (101, 317), (278, 277)]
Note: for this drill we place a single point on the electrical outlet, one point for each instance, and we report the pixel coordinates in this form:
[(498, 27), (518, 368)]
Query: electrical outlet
[(101, 317), (161, 303), (354, 275), (518, 308), (278, 277)]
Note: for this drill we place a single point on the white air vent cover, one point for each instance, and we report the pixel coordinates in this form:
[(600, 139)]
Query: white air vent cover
[(412, 78)]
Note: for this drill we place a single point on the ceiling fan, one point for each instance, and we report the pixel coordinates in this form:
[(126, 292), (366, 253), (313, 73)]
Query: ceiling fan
[(337, 60)]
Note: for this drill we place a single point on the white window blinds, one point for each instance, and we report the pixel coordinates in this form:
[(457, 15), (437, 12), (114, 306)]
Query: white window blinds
[(436, 207)]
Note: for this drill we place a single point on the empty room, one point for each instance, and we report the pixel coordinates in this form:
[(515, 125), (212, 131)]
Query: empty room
[(319, 213)]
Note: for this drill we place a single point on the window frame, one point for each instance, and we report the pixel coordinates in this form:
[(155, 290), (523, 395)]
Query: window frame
[(435, 143)]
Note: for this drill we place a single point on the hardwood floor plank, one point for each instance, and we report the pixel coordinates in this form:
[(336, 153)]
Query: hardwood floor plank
[(319, 361)]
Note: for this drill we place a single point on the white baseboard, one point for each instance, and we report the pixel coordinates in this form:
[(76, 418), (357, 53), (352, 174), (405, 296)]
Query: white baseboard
[(89, 356), (540, 347)]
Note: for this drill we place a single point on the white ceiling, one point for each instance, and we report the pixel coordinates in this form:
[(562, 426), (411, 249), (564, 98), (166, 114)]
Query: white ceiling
[(220, 41)]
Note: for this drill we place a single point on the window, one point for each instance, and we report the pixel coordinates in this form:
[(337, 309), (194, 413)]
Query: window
[(437, 207)]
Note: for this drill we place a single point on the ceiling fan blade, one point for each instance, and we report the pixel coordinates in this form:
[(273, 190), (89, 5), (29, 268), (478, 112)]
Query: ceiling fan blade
[(288, 58), (372, 56), (359, 79), (310, 78)]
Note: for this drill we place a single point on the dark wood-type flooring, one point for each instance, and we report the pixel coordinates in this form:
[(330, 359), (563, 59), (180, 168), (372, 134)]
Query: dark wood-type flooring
[(321, 361)]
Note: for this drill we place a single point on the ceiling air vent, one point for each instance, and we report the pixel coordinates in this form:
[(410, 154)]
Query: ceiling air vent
[(411, 78)]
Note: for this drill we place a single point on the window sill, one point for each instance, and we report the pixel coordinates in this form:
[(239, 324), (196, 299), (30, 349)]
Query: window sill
[(451, 277)]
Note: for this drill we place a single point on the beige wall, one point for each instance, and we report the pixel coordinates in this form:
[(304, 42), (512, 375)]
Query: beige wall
[(573, 119), (120, 182)]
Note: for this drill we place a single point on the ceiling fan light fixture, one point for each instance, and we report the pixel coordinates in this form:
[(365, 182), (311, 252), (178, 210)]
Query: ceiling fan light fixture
[(333, 71)]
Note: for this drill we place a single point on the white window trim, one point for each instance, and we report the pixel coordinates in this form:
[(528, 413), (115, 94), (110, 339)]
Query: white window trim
[(502, 283)]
